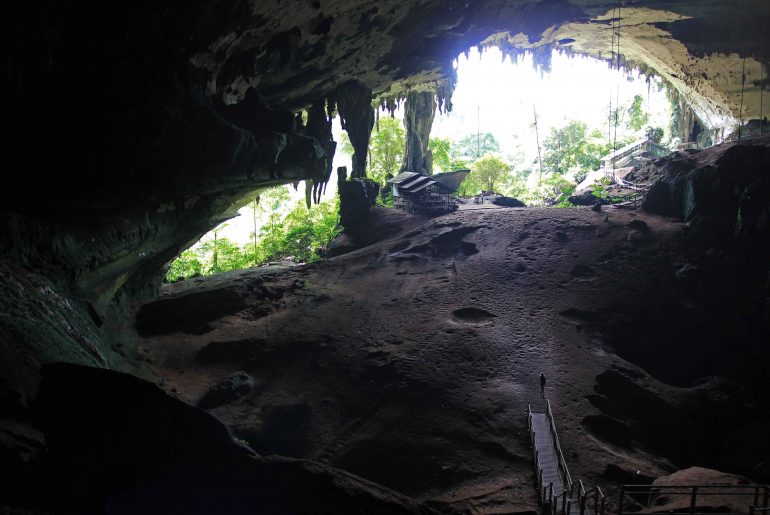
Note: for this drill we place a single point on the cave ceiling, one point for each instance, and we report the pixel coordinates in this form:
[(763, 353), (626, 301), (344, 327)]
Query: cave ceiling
[(109, 100), (293, 51), (133, 128)]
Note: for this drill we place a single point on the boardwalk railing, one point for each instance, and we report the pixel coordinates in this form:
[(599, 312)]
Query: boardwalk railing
[(611, 175), (568, 501), (541, 488), (688, 497), (564, 471)]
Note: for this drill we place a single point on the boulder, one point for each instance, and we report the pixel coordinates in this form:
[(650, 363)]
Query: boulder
[(585, 198), (227, 390), (639, 225), (119, 445), (679, 499), (357, 196), (508, 202)]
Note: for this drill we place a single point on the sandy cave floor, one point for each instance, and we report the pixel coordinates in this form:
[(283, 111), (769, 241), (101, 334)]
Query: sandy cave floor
[(411, 362)]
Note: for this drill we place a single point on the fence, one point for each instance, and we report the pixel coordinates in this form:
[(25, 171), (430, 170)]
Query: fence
[(685, 499)]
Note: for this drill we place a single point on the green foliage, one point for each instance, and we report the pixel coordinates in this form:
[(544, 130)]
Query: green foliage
[(568, 149), (553, 191), (441, 150), (187, 265), (474, 146), (470, 186), (637, 116), (655, 134), (599, 188), (490, 172), (302, 234), (387, 199), (517, 185)]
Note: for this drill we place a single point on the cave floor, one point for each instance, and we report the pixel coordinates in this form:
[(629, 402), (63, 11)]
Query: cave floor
[(411, 362)]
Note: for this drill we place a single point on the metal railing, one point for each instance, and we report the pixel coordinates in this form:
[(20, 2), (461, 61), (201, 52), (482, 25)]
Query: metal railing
[(610, 174), (565, 476), (567, 501), (756, 497)]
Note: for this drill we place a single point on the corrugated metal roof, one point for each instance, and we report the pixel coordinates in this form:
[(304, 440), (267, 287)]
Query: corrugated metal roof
[(451, 180), (398, 179), (417, 180), (420, 187), (414, 185)]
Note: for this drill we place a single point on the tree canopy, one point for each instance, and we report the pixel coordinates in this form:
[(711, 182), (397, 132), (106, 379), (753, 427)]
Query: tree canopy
[(637, 116), (445, 155), (475, 146), (491, 171), (301, 234)]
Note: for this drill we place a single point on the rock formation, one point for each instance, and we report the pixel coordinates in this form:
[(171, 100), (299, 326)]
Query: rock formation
[(134, 128), (419, 109), (354, 102)]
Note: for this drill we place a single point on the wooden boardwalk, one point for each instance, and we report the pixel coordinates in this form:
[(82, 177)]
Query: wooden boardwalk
[(556, 490), (548, 461)]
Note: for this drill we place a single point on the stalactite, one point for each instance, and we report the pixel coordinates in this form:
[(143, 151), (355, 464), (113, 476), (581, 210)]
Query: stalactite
[(354, 102), (319, 126), (444, 92)]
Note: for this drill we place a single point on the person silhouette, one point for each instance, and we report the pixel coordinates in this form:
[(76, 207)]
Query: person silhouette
[(542, 383)]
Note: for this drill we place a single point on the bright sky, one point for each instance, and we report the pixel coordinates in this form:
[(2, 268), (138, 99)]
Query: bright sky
[(498, 96)]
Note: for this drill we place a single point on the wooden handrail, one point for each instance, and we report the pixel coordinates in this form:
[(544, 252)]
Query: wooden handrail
[(557, 446)]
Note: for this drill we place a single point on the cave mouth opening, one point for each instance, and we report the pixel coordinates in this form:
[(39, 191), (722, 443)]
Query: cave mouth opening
[(538, 126), (531, 128)]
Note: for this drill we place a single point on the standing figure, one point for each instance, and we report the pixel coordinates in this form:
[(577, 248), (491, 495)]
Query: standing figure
[(542, 383)]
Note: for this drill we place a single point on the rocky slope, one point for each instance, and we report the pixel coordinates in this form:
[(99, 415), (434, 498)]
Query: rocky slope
[(411, 362)]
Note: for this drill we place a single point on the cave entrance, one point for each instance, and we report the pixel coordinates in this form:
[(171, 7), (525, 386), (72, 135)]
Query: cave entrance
[(535, 127)]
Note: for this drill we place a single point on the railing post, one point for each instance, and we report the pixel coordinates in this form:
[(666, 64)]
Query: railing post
[(620, 500), (764, 501), (692, 499)]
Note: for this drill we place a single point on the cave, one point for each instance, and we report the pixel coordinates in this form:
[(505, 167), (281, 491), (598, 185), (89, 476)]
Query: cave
[(394, 378)]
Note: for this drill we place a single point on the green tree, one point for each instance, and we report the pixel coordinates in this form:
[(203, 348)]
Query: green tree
[(302, 234), (187, 265), (517, 185), (446, 157), (655, 134), (565, 148), (490, 171), (553, 191), (637, 116), (474, 146)]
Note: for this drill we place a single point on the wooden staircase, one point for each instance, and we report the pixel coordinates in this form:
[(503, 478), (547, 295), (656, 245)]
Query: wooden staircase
[(556, 491)]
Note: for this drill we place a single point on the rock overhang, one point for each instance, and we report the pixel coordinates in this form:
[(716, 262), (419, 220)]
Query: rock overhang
[(121, 110)]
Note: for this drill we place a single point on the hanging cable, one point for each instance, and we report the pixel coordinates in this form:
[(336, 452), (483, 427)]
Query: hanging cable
[(743, 88), (762, 89), (612, 63), (617, 98)]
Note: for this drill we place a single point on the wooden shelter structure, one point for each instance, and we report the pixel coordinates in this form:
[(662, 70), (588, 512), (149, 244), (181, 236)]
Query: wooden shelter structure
[(426, 194)]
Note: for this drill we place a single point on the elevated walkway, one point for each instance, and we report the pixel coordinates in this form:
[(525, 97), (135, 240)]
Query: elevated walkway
[(557, 493)]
